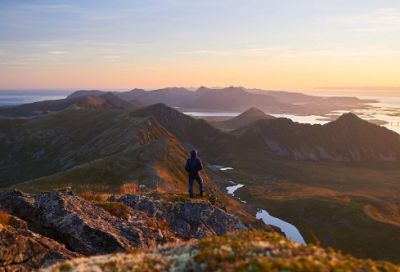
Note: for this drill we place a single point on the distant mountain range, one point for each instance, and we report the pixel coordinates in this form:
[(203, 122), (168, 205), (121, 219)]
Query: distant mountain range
[(230, 98), (94, 100), (236, 99)]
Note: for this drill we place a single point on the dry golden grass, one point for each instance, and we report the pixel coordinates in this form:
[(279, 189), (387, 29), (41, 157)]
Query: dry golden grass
[(4, 218), (115, 208), (384, 212), (129, 188), (93, 193)]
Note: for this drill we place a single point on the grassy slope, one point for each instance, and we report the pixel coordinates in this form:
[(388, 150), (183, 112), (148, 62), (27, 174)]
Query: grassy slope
[(41, 146)]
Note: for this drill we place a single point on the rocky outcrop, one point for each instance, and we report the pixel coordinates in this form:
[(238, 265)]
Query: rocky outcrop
[(58, 225), (186, 219), (24, 250), (81, 225)]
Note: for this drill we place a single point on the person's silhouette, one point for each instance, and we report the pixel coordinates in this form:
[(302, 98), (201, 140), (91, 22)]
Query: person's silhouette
[(193, 166)]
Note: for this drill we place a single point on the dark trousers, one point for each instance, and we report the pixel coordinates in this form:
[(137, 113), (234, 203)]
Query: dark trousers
[(191, 181)]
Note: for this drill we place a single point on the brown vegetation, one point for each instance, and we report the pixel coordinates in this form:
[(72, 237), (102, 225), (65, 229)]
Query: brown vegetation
[(93, 193), (4, 218), (151, 223), (115, 208)]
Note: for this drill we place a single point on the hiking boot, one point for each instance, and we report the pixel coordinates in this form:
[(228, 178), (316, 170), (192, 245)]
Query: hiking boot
[(201, 194), (191, 196)]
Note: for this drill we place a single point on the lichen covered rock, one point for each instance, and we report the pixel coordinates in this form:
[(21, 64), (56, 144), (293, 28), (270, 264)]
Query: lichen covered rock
[(23, 250), (239, 251), (186, 219)]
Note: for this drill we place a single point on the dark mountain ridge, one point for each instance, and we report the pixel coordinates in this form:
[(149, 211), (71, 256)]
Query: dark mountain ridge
[(194, 133), (349, 138)]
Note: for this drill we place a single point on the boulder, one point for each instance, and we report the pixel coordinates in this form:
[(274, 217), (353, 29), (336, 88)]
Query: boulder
[(186, 219), (23, 250)]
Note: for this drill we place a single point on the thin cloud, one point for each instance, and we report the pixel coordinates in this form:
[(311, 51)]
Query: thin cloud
[(49, 8), (58, 52), (208, 52), (383, 20), (362, 88)]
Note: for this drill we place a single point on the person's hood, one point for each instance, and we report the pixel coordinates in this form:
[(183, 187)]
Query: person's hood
[(193, 154)]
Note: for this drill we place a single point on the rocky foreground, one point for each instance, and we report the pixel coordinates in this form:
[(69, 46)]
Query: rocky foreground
[(239, 251), (39, 230), (153, 231)]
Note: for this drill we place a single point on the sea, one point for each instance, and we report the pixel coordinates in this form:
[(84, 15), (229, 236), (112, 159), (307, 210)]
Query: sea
[(16, 97)]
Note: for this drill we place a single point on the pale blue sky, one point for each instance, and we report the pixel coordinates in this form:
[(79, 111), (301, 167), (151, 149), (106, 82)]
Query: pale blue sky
[(266, 44)]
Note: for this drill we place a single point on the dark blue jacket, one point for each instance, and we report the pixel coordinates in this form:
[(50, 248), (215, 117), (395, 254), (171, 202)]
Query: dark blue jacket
[(193, 165)]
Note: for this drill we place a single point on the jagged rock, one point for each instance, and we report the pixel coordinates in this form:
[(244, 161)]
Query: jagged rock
[(138, 202), (187, 218), (82, 226), (23, 250)]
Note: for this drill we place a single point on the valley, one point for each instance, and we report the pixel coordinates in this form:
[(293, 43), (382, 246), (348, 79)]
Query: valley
[(337, 183)]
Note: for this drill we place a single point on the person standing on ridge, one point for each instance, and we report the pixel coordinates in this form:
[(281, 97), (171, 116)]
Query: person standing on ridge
[(193, 166)]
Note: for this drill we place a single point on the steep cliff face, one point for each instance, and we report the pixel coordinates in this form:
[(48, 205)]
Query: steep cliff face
[(347, 139)]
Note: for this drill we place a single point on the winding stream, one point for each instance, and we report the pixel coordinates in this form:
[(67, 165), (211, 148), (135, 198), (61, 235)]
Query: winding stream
[(291, 231)]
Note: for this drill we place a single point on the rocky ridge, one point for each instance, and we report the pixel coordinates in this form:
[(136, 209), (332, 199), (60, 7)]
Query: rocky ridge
[(58, 225)]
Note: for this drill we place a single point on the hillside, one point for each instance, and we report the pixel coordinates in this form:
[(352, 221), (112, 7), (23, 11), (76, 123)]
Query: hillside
[(233, 98), (174, 97), (85, 93), (103, 148), (212, 143), (289, 97), (244, 119), (123, 104), (349, 138)]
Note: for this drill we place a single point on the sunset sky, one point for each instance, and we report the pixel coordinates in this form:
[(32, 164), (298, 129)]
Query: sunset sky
[(285, 45)]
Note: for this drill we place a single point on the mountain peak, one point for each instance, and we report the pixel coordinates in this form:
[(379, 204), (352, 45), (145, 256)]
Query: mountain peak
[(249, 116), (349, 117)]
